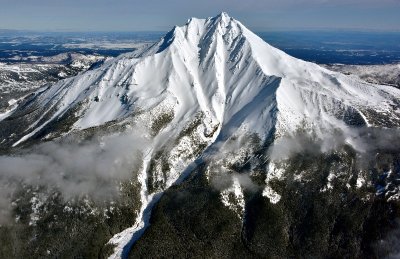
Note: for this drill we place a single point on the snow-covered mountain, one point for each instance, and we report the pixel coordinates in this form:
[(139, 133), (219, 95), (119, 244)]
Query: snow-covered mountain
[(208, 85), (20, 79), (218, 67)]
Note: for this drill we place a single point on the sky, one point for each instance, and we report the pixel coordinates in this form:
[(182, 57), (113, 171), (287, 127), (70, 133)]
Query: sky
[(160, 15)]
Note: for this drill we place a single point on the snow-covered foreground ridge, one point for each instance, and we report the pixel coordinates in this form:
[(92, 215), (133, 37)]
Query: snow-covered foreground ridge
[(197, 87)]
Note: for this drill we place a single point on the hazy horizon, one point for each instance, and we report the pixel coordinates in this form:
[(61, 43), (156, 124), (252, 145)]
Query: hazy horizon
[(162, 32), (158, 16)]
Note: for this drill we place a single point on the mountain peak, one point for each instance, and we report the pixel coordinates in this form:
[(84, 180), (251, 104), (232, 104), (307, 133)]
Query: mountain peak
[(205, 85), (224, 16), (213, 66), (221, 17)]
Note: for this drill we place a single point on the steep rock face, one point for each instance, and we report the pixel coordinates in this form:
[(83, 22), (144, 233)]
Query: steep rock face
[(209, 93)]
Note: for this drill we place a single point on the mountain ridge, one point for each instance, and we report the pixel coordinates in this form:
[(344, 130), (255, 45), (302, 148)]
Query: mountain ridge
[(209, 85), (212, 40)]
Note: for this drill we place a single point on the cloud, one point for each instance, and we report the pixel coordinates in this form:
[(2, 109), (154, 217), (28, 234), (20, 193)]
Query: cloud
[(365, 141), (94, 168)]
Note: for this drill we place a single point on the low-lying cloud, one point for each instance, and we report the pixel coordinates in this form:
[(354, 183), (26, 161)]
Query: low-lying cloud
[(91, 168), (365, 141)]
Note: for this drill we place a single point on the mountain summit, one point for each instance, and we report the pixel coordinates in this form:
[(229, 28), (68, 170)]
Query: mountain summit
[(211, 86)]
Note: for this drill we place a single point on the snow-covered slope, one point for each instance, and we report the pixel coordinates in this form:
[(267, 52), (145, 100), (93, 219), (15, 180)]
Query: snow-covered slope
[(201, 84), (388, 74), (20, 79), (219, 67)]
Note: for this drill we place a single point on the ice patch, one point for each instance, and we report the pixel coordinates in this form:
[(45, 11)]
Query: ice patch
[(233, 197), (272, 195)]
